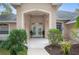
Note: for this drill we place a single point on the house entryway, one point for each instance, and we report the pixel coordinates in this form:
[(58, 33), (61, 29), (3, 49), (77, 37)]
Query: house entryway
[(36, 19), (36, 23), (37, 30), (36, 46)]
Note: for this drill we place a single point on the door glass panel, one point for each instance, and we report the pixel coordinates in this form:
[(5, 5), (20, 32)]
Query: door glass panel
[(39, 31), (34, 30)]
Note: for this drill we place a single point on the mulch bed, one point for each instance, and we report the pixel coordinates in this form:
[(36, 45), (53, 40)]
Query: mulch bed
[(56, 50)]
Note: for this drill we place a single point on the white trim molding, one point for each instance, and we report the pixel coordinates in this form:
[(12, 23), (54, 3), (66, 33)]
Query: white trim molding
[(42, 10), (70, 22)]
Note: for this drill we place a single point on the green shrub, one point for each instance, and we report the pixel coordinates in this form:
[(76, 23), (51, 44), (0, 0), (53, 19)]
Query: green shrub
[(54, 36), (75, 33), (77, 22), (15, 41), (66, 47)]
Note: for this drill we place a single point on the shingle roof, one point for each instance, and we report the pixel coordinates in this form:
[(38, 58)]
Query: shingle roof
[(65, 15), (61, 15), (8, 18)]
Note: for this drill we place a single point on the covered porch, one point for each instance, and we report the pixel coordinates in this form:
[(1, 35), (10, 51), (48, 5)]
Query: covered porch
[(36, 19), (36, 23)]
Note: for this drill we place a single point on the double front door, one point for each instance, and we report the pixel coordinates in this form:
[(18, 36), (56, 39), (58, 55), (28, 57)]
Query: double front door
[(37, 30)]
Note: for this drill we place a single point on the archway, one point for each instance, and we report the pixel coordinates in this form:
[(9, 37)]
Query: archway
[(36, 23)]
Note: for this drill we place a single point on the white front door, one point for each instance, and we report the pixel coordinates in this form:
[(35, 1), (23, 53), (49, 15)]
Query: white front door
[(37, 30)]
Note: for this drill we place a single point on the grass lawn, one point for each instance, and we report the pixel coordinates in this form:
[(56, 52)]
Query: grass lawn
[(6, 52)]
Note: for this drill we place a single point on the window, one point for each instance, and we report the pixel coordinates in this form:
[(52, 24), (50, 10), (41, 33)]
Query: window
[(59, 26), (4, 29)]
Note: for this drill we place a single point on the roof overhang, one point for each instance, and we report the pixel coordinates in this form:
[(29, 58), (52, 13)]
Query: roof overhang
[(15, 4), (71, 22), (56, 4), (7, 21), (19, 4)]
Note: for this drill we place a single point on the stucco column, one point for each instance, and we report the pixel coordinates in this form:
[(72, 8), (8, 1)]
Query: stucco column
[(52, 20), (63, 28), (20, 18)]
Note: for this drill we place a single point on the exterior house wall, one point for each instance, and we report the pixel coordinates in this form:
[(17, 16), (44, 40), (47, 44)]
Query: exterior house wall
[(72, 29), (46, 25), (12, 26), (68, 28), (19, 17), (46, 7), (39, 19), (27, 24)]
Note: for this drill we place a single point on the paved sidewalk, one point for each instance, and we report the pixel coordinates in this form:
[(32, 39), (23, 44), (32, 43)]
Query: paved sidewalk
[(36, 46)]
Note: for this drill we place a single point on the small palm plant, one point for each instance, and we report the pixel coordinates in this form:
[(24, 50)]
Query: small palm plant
[(15, 41), (66, 47), (54, 36)]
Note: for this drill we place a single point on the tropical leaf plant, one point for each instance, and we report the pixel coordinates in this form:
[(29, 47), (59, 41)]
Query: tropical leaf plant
[(15, 42), (66, 47), (54, 36)]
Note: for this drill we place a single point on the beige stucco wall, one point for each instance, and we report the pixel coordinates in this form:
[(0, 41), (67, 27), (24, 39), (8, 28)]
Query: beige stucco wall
[(12, 26), (68, 28), (37, 19), (19, 17), (27, 24), (37, 6), (46, 25)]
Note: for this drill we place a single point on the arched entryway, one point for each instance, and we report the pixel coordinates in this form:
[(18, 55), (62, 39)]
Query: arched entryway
[(26, 13), (36, 23)]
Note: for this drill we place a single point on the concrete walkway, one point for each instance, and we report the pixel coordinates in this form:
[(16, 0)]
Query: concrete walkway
[(36, 46)]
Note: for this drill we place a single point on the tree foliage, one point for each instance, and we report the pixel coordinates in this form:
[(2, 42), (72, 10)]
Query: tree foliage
[(8, 9), (77, 22)]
